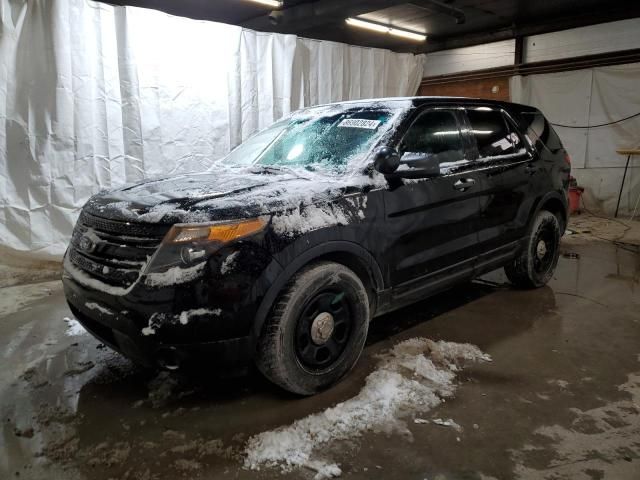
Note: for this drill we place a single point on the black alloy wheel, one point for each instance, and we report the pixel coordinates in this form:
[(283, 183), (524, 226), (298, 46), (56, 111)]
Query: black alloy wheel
[(317, 329), (535, 265), (323, 330)]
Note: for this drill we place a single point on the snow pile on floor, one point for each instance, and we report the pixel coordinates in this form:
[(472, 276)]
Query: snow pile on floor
[(73, 327), (447, 423), (20, 297), (411, 379)]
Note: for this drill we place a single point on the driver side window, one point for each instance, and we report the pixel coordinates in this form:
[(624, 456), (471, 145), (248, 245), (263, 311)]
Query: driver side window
[(435, 138)]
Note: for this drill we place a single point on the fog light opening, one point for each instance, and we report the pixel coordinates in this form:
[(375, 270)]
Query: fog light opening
[(168, 358)]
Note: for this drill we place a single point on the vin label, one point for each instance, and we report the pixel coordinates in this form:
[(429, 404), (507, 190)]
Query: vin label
[(359, 123)]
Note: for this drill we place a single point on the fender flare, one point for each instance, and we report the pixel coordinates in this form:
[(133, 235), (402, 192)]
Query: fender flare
[(308, 256), (553, 195)]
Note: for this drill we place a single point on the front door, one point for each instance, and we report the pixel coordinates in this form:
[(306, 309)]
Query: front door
[(431, 235)]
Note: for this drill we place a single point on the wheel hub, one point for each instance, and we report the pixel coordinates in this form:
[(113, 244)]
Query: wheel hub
[(322, 328), (541, 249)]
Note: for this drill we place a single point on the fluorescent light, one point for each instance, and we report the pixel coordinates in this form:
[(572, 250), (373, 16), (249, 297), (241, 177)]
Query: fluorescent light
[(269, 3), (376, 27), (367, 25), (406, 34)]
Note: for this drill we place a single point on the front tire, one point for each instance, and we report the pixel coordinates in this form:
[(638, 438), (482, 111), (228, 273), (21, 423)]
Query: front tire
[(534, 267), (317, 329)]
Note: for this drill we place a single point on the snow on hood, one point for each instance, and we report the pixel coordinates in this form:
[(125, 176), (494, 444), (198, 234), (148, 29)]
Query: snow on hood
[(414, 377), (225, 194)]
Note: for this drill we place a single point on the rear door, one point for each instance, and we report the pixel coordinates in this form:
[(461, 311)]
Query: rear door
[(522, 176), (431, 235), (505, 168)]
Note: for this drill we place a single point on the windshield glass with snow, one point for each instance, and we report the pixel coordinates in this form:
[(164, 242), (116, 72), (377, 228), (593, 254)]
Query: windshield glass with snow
[(321, 137)]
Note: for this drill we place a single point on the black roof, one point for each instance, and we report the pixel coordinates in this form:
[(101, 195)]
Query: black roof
[(417, 101)]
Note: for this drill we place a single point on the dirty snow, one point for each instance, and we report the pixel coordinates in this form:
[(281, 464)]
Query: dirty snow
[(186, 315), (183, 318), (18, 297), (161, 389), (174, 276), (309, 218), (228, 263), (150, 329), (73, 327), (88, 281), (156, 213), (98, 307), (324, 470), (415, 376), (597, 440), (363, 207), (447, 423), (558, 383)]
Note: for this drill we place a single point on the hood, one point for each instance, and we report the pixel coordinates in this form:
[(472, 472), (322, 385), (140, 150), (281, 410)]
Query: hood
[(228, 193)]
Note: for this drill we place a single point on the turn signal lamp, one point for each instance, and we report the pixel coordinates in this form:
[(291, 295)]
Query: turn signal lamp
[(216, 232)]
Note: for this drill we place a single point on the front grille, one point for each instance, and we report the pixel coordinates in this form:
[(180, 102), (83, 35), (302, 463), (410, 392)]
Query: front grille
[(113, 251)]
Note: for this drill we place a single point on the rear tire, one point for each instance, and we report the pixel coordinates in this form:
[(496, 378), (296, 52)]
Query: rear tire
[(316, 331), (534, 267)]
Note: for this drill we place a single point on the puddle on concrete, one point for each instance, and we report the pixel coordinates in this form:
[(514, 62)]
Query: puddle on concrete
[(72, 409)]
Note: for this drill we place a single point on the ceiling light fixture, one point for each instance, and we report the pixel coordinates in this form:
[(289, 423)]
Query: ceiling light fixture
[(269, 3), (377, 27)]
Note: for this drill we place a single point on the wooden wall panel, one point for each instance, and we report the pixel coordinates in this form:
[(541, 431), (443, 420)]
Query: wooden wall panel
[(470, 88)]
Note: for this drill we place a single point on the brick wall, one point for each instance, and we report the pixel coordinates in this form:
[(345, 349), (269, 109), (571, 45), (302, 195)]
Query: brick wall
[(470, 88)]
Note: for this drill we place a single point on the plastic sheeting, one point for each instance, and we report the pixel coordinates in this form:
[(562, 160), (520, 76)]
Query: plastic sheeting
[(593, 97), (94, 96)]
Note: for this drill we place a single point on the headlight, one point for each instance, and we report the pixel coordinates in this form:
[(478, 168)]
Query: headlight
[(188, 244)]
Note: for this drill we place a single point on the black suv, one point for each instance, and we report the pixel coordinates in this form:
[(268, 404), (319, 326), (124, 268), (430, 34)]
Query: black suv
[(283, 251)]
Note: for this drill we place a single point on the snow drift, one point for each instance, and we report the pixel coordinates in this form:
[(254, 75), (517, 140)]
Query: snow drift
[(415, 376)]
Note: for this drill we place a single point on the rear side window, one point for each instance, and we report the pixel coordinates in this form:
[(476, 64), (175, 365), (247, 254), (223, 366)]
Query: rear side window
[(491, 132), (538, 129), (435, 132)]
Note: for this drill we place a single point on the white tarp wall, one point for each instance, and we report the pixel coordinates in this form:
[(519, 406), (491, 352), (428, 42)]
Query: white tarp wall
[(592, 97), (94, 96)]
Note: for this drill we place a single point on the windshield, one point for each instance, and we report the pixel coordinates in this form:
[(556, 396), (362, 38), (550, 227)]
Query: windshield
[(324, 137)]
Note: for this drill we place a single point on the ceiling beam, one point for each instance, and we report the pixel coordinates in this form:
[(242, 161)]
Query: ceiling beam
[(508, 32), (546, 66), (435, 6), (313, 14)]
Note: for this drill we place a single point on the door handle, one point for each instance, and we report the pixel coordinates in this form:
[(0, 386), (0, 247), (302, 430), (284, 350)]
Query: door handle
[(464, 184)]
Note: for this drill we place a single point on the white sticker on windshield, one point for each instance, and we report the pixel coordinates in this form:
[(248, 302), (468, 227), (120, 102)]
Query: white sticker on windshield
[(359, 123)]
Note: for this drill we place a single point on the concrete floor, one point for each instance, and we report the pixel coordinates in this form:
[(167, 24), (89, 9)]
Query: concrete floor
[(561, 399)]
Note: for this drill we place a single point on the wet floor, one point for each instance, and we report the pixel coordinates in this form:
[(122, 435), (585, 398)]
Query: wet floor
[(561, 398)]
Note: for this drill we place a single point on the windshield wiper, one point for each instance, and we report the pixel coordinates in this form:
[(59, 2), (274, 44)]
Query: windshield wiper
[(278, 169)]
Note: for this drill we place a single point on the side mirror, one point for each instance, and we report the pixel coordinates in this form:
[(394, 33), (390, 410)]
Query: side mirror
[(386, 160), (425, 163)]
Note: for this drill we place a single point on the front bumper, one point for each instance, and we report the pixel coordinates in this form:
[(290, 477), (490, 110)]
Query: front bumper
[(207, 321), (121, 331)]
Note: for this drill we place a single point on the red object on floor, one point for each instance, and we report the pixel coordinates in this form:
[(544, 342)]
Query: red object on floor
[(574, 199)]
